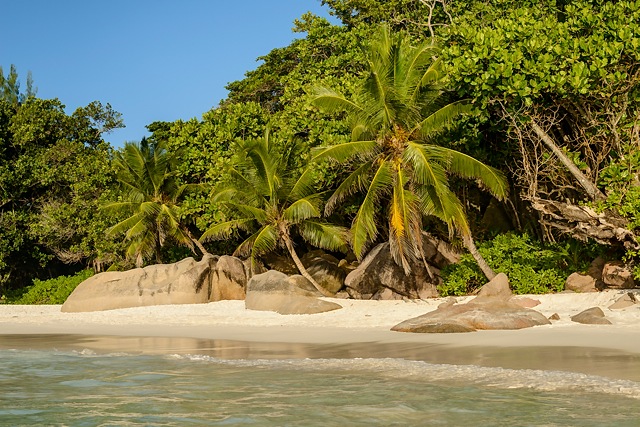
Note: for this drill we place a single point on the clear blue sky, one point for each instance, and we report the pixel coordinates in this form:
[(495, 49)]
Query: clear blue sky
[(150, 59)]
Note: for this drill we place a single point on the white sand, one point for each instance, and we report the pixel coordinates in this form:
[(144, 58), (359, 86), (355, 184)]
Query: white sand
[(357, 322)]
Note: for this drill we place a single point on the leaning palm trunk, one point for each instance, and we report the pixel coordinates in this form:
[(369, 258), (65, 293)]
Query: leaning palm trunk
[(303, 271), (195, 241), (471, 247)]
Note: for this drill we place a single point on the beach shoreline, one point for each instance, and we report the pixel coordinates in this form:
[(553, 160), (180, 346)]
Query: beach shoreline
[(361, 329)]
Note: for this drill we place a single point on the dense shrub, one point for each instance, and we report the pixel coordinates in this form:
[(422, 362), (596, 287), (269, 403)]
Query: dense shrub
[(532, 267), (52, 291)]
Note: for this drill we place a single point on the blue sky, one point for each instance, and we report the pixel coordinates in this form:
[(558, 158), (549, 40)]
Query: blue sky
[(150, 59)]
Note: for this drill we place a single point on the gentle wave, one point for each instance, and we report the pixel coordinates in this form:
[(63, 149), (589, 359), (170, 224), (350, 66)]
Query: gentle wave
[(411, 370)]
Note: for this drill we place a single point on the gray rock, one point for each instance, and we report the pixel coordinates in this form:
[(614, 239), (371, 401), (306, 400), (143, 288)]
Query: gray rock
[(185, 282), (228, 279), (325, 270), (275, 291), (578, 282), (591, 316), (525, 302), (627, 300), (448, 302), (378, 271), (616, 275), (282, 263), (498, 287), (480, 313)]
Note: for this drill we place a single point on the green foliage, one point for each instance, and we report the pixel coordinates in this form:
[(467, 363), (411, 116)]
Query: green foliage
[(52, 291), (268, 196), (620, 179), (54, 171), (393, 115), (150, 197), (532, 267), (520, 52), (10, 87)]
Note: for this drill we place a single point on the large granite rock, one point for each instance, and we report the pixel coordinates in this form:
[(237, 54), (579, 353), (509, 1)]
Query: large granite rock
[(493, 308), (591, 316), (228, 279), (378, 271), (578, 282), (589, 282), (498, 287), (275, 291), (479, 313), (616, 275), (185, 282), (625, 301), (324, 268)]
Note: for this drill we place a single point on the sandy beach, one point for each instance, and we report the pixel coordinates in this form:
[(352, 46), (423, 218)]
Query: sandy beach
[(361, 329)]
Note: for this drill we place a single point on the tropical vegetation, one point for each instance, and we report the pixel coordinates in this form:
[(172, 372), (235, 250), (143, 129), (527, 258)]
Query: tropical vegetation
[(405, 116)]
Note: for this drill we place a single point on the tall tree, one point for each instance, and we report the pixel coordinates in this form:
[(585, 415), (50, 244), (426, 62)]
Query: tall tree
[(151, 195), (395, 113), (268, 193), (10, 86)]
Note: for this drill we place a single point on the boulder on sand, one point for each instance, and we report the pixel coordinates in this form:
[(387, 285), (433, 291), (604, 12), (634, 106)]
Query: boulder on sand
[(378, 271), (493, 308), (275, 291), (484, 313), (591, 316), (184, 282)]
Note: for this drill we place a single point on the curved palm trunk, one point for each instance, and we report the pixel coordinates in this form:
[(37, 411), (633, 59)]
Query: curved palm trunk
[(303, 271), (471, 247), (195, 241)]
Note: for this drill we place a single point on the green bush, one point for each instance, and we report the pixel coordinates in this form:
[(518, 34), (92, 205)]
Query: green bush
[(532, 267), (52, 291)]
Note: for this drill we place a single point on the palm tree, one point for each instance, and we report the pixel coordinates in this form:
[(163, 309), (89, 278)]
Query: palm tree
[(151, 197), (269, 199), (394, 114)]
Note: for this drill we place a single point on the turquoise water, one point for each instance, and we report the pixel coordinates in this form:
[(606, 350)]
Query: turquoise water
[(81, 388)]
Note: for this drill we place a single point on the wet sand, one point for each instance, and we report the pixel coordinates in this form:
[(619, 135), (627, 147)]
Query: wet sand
[(359, 330)]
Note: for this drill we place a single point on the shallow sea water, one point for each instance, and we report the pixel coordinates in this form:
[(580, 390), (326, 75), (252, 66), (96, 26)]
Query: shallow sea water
[(82, 388)]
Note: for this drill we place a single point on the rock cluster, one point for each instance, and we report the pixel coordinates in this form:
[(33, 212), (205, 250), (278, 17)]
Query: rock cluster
[(602, 275), (275, 291), (493, 308), (195, 282), (185, 282)]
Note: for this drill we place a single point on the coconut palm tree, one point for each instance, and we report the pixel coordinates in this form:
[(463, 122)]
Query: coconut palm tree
[(151, 197), (394, 115), (269, 198)]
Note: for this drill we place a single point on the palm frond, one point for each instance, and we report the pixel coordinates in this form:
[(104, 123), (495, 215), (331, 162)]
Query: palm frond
[(324, 235), (444, 205), (441, 118), (345, 151), (356, 181), (330, 101), (467, 167), (304, 185), (427, 166), (364, 228), (302, 209), (266, 241), (224, 230)]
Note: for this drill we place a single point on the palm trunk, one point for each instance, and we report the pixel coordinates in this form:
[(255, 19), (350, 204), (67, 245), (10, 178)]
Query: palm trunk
[(471, 247), (591, 189), (303, 271), (195, 241)]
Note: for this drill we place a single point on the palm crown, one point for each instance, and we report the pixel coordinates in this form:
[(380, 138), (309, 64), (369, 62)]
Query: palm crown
[(268, 197), (151, 196), (397, 110)]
